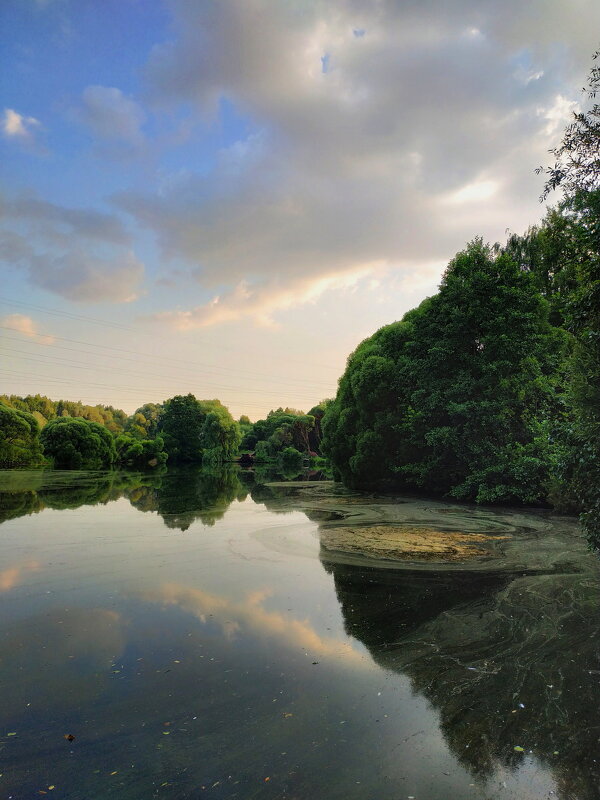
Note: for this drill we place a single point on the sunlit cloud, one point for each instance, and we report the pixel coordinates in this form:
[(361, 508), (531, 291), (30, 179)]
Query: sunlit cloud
[(474, 192), (26, 326), (18, 126), (13, 576), (558, 114), (260, 304), (374, 121), (250, 616)]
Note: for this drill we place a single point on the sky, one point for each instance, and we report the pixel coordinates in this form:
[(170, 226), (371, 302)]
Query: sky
[(225, 197)]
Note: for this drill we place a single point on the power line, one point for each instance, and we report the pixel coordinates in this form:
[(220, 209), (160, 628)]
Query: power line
[(206, 367), (96, 321), (68, 314), (113, 388), (113, 370)]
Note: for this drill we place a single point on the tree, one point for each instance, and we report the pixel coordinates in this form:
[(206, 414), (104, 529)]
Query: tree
[(583, 319), (290, 461), (221, 435), (143, 424), (577, 165), (195, 429), (19, 438), (458, 397), (140, 453), (76, 443), (577, 172), (282, 428)]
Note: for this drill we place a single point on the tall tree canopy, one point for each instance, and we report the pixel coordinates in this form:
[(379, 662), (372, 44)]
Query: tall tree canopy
[(282, 428), (76, 443), (577, 172), (19, 438), (140, 454), (459, 396), (195, 429), (143, 424), (44, 409)]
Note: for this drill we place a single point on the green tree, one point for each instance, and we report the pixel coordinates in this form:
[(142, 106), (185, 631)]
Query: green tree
[(282, 428), (140, 453), (76, 443), (19, 438), (195, 429), (577, 165), (290, 461), (583, 319), (577, 172), (181, 428), (459, 396), (221, 435), (143, 424)]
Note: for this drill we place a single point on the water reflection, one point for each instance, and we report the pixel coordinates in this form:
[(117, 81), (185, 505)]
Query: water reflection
[(186, 664), (182, 498), (179, 497), (508, 661)]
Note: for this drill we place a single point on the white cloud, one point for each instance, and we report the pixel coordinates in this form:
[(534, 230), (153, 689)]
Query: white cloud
[(260, 304), (557, 114), (26, 326), (19, 127), (475, 192), (359, 163)]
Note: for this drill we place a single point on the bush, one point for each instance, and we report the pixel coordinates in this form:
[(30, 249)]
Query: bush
[(75, 443)]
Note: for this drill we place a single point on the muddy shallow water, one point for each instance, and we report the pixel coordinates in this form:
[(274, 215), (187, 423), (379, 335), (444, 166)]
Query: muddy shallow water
[(201, 634)]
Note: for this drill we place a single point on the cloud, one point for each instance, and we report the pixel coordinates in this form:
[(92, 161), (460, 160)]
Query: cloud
[(423, 131), (82, 277), (111, 116), (80, 254), (259, 304), (250, 617), (21, 129), (11, 577), (18, 126), (26, 326), (62, 223)]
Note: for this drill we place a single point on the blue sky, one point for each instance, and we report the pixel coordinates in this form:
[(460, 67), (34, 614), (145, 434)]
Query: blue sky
[(225, 197)]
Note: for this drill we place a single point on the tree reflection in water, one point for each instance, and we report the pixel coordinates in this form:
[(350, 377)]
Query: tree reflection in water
[(508, 660)]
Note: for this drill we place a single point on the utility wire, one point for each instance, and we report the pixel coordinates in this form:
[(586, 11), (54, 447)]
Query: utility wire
[(115, 370), (96, 321), (206, 367), (112, 387)]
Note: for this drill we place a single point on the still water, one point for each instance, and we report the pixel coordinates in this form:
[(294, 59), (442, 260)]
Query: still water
[(211, 634)]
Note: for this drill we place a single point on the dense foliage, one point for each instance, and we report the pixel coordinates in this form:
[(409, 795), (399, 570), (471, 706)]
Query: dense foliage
[(460, 396), (144, 423), (195, 430), (19, 438), (282, 429), (44, 410), (75, 443), (140, 453)]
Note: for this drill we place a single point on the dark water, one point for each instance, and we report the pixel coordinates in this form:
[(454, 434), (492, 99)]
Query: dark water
[(196, 639)]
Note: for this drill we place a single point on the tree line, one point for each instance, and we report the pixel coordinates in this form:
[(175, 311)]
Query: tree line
[(35, 430)]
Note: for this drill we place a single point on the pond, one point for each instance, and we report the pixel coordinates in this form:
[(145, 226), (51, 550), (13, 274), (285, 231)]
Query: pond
[(213, 634)]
